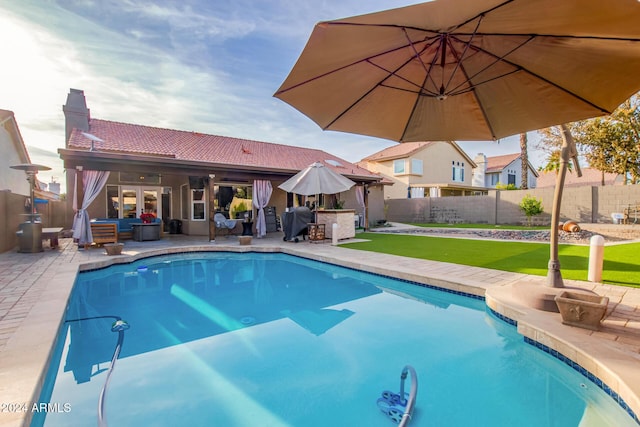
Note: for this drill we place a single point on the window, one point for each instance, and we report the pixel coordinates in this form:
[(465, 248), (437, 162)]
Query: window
[(511, 179), (416, 166), (113, 201), (495, 179), (457, 173), (398, 167), (198, 205)]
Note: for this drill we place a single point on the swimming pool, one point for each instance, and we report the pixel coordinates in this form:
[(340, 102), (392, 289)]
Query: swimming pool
[(276, 340)]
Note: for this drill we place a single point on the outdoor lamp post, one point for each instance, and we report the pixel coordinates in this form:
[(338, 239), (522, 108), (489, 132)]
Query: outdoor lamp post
[(31, 169), (30, 233)]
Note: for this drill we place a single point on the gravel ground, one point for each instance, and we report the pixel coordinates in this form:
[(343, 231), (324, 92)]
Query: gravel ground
[(581, 237)]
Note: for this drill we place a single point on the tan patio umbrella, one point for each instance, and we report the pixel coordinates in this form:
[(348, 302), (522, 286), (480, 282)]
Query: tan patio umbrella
[(470, 70), (316, 179)]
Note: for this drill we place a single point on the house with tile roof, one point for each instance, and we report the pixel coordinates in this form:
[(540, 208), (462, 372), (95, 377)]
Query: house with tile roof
[(505, 170), (189, 176), (423, 169)]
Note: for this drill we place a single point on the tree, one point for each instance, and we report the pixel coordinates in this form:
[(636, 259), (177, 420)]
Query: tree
[(612, 143), (551, 143), (524, 158), (609, 144), (531, 207)]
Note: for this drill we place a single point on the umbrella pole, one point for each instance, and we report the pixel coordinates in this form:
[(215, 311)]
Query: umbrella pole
[(568, 152)]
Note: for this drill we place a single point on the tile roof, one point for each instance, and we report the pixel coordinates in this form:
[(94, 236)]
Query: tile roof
[(397, 151), (199, 147), (498, 163), (590, 177)]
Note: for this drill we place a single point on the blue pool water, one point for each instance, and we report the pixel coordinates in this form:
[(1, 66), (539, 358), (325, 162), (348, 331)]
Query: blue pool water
[(226, 339)]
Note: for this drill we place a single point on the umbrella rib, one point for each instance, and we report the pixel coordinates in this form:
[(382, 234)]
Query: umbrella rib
[(536, 75), (335, 70), (462, 55), (480, 33), (380, 83)]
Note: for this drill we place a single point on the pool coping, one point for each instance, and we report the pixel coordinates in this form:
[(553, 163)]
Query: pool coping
[(23, 361)]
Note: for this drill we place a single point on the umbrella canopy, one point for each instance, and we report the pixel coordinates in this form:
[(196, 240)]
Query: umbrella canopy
[(316, 179), (468, 69)]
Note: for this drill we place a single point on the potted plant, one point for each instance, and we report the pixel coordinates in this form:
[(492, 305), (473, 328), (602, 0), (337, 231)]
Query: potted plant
[(147, 218)]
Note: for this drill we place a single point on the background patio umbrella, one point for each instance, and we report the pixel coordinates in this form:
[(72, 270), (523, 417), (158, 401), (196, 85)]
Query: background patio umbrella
[(470, 70), (316, 179)]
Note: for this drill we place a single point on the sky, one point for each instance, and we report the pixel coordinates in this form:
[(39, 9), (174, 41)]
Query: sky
[(194, 65)]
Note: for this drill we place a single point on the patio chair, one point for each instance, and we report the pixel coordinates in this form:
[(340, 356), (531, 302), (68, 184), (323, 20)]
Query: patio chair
[(223, 223)]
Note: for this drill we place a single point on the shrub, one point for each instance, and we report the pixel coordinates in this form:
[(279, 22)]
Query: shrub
[(500, 186), (531, 207)]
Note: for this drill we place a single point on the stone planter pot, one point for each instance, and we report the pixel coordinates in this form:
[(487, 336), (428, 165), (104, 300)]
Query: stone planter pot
[(582, 310), (245, 240), (113, 248)]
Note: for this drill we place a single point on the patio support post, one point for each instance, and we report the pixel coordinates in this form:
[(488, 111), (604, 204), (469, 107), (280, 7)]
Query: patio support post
[(568, 152), (79, 188), (212, 208)]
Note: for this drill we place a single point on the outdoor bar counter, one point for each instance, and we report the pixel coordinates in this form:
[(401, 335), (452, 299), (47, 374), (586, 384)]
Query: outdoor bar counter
[(342, 217)]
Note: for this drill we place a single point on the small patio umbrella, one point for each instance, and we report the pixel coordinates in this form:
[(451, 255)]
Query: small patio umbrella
[(316, 179), (470, 70)]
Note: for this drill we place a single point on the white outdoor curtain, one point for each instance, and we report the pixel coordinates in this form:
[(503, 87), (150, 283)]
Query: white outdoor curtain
[(261, 194), (360, 200), (93, 182)]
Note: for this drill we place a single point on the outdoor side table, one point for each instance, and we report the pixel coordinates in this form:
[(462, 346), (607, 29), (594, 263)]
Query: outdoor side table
[(144, 231)]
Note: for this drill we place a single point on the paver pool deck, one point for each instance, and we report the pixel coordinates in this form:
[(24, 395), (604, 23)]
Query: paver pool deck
[(34, 289)]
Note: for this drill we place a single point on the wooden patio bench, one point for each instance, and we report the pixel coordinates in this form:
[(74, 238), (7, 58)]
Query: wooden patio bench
[(104, 232)]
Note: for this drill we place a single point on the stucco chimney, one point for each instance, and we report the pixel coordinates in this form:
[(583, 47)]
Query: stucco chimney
[(76, 113), (479, 173)]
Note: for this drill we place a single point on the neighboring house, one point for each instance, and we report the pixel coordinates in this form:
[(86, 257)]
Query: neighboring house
[(423, 169), (188, 176), (590, 177), (14, 152), (504, 170)]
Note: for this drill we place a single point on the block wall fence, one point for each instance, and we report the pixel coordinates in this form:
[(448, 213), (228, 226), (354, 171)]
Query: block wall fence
[(583, 204)]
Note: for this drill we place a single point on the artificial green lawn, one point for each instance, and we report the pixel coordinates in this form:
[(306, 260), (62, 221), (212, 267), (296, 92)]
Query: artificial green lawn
[(621, 264)]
